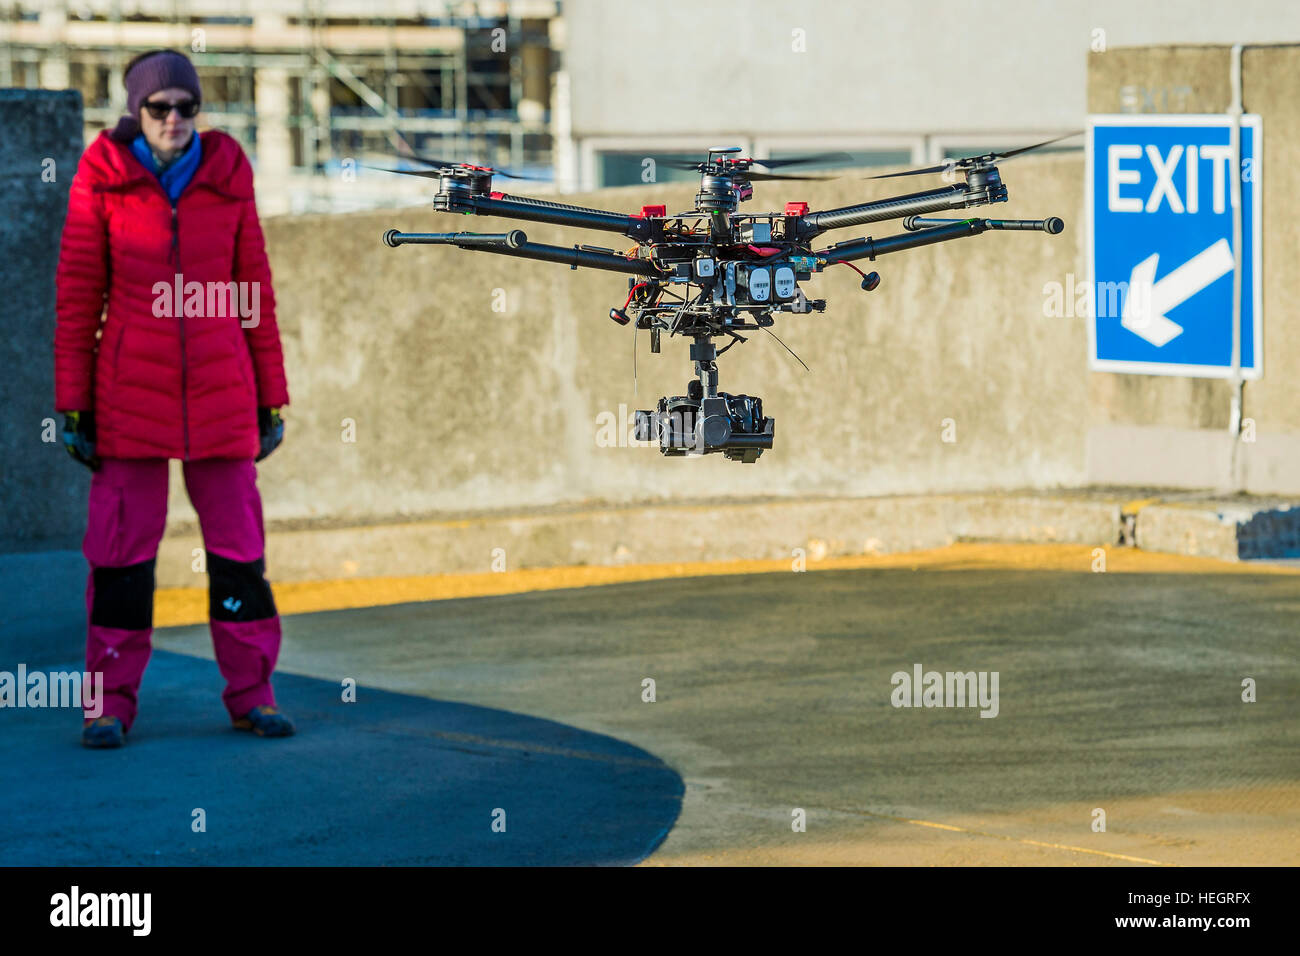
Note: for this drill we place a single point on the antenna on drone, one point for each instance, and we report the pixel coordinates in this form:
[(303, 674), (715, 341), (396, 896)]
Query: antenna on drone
[(787, 348)]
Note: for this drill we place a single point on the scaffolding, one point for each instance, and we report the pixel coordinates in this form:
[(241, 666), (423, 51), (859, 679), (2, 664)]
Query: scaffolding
[(314, 89)]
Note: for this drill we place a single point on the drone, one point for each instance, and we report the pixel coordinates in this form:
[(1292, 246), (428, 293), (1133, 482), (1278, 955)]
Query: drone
[(713, 272)]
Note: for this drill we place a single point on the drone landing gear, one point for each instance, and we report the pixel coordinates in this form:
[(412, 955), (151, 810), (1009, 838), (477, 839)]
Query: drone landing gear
[(705, 420)]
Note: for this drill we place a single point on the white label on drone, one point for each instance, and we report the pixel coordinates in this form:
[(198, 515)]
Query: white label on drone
[(784, 280), (760, 284), (704, 268)]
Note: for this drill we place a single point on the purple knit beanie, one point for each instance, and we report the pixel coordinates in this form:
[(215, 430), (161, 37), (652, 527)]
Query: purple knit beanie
[(150, 73)]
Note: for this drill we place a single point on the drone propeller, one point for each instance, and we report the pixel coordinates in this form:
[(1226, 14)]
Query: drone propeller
[(972, 161), (765, 163), (682, 164), (429, 160), (443, 163), (744, 173), (768, 177), (440, 168), (798, 160), (426, 173)]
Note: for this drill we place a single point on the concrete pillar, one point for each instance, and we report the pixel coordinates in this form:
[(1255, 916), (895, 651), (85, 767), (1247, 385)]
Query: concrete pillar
[(536, 77), (271, 103), (54, 64), (320, 107), (564, 148), (42, 571), (116, 88)]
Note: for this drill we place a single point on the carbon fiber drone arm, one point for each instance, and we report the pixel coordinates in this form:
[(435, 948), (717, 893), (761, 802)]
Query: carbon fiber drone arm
[(515, 243), (915, 204), (559, 214), (550, 204), (982, 187), (868, 248), (924, 232)]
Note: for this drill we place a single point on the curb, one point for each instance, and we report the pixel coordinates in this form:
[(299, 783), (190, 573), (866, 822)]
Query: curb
[(1231, 528), (655, 534)]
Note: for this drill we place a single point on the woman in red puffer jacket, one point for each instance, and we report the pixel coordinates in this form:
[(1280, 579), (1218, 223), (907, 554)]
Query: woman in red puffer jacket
[(166, 347)]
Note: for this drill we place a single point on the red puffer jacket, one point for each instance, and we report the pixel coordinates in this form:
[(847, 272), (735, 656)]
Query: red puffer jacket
[(163, 382)]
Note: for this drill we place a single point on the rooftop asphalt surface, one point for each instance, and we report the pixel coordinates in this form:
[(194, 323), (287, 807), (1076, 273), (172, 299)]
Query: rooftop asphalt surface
[(773, 701)]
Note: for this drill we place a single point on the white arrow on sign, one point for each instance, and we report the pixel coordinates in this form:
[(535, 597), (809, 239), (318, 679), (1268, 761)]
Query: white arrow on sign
[(1148, 300)]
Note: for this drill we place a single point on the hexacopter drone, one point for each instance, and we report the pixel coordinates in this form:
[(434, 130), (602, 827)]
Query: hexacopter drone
[(713, 272)]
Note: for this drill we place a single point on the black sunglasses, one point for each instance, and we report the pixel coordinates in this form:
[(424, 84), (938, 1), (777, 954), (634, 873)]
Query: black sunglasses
[(160, 110)]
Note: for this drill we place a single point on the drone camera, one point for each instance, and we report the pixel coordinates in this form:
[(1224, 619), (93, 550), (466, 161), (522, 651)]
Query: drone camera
[(694, 425)]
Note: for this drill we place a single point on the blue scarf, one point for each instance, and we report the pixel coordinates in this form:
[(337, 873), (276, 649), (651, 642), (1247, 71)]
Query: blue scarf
[(178, 173)]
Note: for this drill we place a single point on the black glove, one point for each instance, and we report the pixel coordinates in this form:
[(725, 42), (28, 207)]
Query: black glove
[(79, 437), (271, 429)]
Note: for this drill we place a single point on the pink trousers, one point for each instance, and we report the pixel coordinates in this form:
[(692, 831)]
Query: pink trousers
[(128, 512)]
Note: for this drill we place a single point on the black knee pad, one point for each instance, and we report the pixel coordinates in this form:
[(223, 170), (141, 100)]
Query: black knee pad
[(124, 596), (238, 590)]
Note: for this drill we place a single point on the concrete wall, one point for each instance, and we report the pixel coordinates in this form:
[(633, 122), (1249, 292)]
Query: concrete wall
[(460, 410), (1173, 431), (891, 66), (43, 492)]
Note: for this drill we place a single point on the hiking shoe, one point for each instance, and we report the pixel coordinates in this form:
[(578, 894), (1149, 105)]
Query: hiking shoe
[(103, 732), (265, 721)]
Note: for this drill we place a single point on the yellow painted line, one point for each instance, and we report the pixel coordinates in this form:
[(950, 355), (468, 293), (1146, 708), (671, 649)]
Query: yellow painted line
[(1136, 505), (177, 606), (922, 823), (1002, 836)]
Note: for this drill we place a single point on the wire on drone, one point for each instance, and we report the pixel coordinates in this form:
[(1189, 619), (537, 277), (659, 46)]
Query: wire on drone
[(632, 292)]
